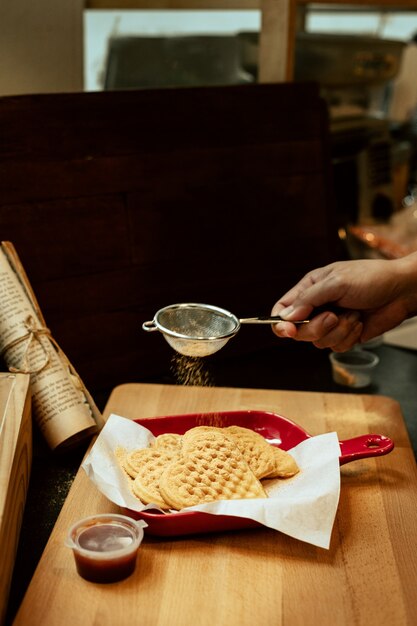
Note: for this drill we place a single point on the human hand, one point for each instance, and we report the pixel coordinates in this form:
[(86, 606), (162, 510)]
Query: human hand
[(373, 295)]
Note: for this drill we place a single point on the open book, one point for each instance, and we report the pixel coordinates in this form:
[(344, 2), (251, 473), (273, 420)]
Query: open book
[(62, 407)]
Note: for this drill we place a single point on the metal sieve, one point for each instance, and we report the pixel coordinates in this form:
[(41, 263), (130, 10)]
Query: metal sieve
[(194, 329)]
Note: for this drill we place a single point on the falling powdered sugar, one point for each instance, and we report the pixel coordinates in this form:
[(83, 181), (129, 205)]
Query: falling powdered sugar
[(189, 370)]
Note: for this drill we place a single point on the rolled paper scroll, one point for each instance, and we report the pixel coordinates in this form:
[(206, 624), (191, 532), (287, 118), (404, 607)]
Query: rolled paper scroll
[(62, 406)]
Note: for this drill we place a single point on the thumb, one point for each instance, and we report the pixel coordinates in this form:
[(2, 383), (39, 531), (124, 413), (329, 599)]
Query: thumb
[(296, 311), (314, 299)]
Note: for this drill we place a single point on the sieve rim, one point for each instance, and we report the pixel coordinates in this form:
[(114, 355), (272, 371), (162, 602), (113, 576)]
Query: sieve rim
[(195, 305)]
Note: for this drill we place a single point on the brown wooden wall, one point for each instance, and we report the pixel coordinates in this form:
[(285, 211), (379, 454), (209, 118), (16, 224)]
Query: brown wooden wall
[(119, 203)]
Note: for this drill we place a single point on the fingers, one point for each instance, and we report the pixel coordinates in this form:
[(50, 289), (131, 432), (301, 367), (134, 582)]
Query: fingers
[(327, 330), (317, 328), (305, 307), (285, 330), (344, 335), (300, 313)]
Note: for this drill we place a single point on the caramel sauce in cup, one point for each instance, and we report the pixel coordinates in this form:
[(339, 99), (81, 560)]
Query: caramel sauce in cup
[(105, 546)]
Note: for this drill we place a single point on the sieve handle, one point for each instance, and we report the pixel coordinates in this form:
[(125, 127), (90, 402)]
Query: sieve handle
[(270, 320), (149, 326)]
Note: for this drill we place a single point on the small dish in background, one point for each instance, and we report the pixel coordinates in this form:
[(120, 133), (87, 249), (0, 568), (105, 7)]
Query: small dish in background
[(353, 368)]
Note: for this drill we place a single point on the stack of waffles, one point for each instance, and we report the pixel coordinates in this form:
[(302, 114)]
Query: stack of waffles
[(205, 464)]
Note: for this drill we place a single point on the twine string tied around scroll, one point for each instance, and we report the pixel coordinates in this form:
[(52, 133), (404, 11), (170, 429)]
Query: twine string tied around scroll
[(33, 335)]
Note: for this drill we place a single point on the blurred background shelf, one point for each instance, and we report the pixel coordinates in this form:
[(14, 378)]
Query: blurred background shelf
[(280, 20), (56, 31)]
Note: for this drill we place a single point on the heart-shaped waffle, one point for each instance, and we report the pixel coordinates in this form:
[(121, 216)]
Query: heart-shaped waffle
[(258, 453), (149, 465), (168, 441), (265, 460), (211, 468), (284, 464)]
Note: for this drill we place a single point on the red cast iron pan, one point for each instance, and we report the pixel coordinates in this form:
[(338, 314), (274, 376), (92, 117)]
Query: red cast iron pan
[(277, 430)]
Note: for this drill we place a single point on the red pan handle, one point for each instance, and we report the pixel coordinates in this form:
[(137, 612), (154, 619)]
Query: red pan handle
[(364, 446)]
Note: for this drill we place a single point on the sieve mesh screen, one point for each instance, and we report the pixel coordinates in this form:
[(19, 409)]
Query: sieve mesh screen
[(197, 322)]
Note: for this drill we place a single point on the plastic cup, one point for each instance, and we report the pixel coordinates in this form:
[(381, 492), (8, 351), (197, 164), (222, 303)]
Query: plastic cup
[(353, 368), (105, 546)]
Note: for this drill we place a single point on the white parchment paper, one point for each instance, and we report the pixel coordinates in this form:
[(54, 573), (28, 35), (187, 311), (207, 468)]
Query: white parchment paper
[(303, 506)]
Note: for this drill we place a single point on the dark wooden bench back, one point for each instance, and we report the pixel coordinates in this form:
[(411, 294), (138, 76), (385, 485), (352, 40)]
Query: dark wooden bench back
[(120, 203)]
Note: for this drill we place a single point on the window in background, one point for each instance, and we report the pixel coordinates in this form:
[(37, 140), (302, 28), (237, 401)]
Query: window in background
[(130, 32), (101, 26), (400, 26)]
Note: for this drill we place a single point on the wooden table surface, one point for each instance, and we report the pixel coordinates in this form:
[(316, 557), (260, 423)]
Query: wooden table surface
[(257, 576)]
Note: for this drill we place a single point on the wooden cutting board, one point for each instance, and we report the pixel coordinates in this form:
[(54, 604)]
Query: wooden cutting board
[(367, 577), (15, 464)]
